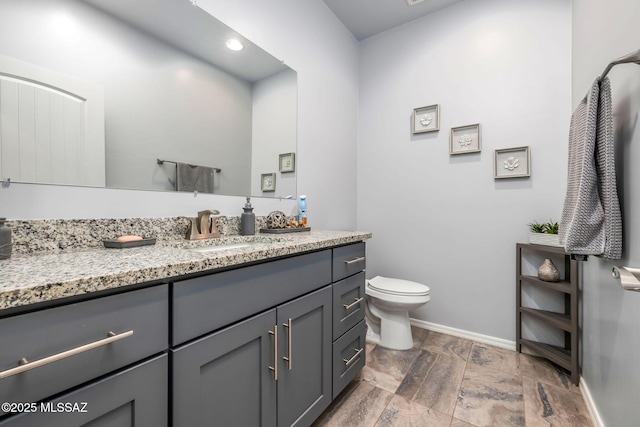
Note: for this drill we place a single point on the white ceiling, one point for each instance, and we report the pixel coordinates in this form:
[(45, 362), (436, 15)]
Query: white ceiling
[(365, 18), (193, 30)]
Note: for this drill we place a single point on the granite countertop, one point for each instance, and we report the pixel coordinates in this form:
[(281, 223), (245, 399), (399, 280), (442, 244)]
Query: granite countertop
[(30, 279)]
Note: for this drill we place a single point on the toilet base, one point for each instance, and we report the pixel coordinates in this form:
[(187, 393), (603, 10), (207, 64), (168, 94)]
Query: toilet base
[(395, 331)]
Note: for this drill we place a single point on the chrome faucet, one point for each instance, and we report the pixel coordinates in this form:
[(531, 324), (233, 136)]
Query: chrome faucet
[(205, 226)]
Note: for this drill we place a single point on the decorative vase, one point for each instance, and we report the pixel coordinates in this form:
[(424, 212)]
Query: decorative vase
[(276, 219), (548, 271), (5, 240)]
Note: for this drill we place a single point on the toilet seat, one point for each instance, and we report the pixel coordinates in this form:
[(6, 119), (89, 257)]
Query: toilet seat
[(391, 286)]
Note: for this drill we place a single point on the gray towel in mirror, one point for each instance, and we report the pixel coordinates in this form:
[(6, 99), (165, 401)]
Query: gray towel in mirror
[(194, 178)]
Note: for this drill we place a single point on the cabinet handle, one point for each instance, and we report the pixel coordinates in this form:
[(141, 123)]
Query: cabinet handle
[(25, 365), (355, 302), (289, 357), (347, 362), (353, 261), (274, 368)]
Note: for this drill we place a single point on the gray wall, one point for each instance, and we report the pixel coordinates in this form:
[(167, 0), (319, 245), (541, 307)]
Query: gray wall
[(611, 316), (500, 63), (274, 131), (312, 41)]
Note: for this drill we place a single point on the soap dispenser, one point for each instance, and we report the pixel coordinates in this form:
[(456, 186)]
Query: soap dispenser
[(248, 220)]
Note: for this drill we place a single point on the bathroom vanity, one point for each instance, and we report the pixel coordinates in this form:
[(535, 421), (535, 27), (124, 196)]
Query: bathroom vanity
[(264, 335)]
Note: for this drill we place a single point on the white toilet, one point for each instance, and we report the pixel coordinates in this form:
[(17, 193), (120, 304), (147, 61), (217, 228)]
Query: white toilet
[(387, 310)]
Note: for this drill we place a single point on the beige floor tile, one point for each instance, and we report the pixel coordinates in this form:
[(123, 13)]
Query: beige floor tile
[(459, 423), (362, 408), (486, 356), (489, 397), (547, 405), (433, 381), (542, 370), (485, 388), (437, 342), (387, 368), (403, 413)]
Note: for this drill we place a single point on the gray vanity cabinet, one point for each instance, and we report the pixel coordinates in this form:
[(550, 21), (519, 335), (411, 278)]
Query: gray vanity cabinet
[(135, 397), (87, 352), (224, 378), (304, 373), (230, 378)]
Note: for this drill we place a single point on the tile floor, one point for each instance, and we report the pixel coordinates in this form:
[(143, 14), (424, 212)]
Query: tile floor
[(450, 381)]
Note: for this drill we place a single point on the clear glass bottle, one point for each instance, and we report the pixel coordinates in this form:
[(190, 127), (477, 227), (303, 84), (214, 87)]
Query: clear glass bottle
[(302, 210)]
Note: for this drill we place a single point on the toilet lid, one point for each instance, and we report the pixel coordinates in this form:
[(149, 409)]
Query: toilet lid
[(392, 286)]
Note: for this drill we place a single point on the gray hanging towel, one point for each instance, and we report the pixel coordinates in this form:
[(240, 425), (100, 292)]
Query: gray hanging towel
[(591, 222), (194, 178)]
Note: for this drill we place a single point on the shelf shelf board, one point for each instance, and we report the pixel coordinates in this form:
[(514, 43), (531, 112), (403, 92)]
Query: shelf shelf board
[(534, 247), (561, 286), (559, 320), (556, 354)]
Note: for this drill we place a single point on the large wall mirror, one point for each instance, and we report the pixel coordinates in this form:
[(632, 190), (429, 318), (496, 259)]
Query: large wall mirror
[(142, 94)]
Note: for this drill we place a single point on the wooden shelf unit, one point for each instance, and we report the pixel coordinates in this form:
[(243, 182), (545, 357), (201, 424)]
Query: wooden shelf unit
[(567, 321)]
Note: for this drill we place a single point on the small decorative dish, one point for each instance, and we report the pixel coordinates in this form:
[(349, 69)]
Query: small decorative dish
[(113, 243), (284, 230)]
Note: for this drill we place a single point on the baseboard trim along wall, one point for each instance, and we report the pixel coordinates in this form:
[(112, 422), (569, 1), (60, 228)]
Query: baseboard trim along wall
[(486, 339), (591, 405)]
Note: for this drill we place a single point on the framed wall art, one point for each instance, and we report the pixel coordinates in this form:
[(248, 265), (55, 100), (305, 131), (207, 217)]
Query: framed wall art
[(426, 119), (512, 163), (287, 162), (465, 139), (268, 182)]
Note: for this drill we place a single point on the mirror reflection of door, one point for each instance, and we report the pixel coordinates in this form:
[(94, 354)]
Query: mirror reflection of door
[(51, 126)]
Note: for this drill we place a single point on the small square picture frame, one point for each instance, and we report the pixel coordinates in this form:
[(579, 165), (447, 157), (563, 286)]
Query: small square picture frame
[(512, 163), (268, 182), (287, 162), (465, 139), (426, 119)]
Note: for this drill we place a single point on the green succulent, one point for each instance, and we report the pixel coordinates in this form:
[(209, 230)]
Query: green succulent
[(544, 227)]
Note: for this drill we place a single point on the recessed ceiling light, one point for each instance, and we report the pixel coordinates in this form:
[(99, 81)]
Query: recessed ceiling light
[(235, 44)]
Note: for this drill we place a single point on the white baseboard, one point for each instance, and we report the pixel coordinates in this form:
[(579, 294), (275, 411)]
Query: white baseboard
[(591, 405), (486, 339)]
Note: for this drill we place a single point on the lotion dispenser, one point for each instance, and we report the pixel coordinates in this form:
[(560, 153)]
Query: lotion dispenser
[(248, 220)]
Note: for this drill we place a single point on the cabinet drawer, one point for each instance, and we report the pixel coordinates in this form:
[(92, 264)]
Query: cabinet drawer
[(134, 397), (348, 260), (348, 303), (349, 353), (54, 332), (207, 303)]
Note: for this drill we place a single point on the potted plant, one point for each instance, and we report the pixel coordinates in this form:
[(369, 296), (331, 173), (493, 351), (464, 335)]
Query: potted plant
[(544, 233)]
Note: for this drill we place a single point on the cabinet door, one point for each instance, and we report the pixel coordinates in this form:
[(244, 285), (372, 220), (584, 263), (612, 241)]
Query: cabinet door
[(224, 378), (136, 397), (304, 372)]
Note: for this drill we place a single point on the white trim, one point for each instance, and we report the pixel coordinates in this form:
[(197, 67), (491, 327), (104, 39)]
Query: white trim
[(591, 405), (486, 339)]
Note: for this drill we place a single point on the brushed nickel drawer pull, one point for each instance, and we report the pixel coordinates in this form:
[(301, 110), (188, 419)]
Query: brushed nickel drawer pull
[(353, 261), (356, 302), (274, 368), (289, 357), (25, 365), (347, 362)]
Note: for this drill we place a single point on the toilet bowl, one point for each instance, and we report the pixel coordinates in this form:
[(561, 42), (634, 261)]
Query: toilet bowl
[(388, 302)]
